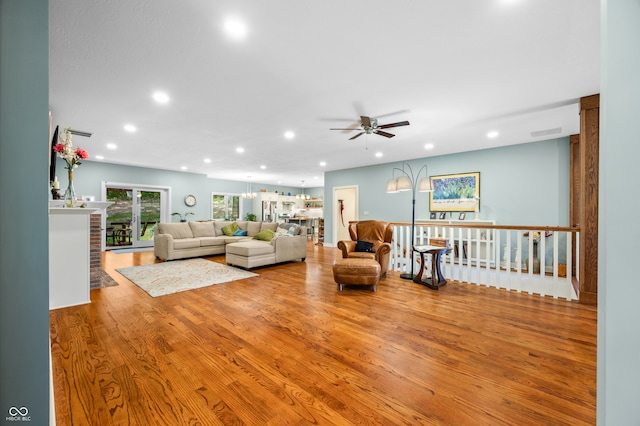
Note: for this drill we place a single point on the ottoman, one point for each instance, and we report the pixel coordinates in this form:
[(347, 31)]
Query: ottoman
[(354, 271), (250, 254)]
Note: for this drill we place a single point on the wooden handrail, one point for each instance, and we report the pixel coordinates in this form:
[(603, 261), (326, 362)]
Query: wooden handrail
[(491, 226)]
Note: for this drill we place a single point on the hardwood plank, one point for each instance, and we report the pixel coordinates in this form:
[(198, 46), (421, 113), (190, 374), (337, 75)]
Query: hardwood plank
[(286, 347)]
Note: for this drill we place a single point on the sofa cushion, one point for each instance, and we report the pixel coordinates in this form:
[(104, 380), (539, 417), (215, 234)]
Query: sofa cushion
[(230, 229), (176, 230), (202, 229), (240, 233), (253, 228), (272, 226), (232, 239), (265, 235), (249, 248), (186, 243), (212, 241)]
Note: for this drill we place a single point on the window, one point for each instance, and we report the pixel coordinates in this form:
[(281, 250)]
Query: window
[(225, 207)]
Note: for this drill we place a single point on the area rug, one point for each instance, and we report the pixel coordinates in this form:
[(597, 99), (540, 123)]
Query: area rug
[(175, 276)]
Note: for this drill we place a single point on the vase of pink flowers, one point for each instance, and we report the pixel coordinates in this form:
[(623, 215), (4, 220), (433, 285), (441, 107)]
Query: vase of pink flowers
[(72, 157)]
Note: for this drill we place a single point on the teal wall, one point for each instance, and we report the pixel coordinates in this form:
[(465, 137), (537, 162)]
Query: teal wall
[(526, 184), (24, 228), (87, 180), (618, 289)]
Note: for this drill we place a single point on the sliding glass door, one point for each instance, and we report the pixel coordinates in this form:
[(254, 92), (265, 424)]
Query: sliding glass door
[(135, 211)]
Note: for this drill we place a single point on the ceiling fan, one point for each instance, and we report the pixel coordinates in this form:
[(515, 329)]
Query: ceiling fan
[(369, 125)]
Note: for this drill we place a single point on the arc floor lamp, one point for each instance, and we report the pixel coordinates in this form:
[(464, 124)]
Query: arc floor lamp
[(410, 182)]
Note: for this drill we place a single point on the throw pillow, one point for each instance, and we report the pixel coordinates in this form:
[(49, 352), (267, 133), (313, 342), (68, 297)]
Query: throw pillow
[(294, 229), (281, 232), (265, 235), (240, 233), (364, 246), (230, 229)]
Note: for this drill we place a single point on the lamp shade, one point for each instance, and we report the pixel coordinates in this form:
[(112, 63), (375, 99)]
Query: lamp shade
[(403, 183), (425, 185), (392, 186)]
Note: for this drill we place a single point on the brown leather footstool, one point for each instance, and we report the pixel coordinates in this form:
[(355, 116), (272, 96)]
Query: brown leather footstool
[(352, 271)]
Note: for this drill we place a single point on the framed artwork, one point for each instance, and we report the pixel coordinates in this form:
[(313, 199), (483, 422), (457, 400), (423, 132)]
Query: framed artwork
[(432, 215), (455, 193), (461, 216), (443, 215)]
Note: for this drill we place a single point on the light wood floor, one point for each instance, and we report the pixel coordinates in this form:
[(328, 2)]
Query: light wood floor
[(286, 348)]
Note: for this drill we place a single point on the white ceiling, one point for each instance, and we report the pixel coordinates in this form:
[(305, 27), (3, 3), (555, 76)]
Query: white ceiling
[(455, 69)]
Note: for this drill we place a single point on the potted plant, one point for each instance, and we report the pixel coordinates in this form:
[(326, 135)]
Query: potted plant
[(250, 217), (183, 216)]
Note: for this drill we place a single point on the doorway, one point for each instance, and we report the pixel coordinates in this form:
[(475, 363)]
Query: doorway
[(136, 210), (345, 199)]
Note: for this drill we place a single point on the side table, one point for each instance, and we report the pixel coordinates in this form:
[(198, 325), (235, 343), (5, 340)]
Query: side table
[(436, 279)]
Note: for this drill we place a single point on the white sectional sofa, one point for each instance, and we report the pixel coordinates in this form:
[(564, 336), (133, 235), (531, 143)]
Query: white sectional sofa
[(194, 239)]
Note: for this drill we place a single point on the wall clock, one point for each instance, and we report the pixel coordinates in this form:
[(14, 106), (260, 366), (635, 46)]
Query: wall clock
[(190, 200)]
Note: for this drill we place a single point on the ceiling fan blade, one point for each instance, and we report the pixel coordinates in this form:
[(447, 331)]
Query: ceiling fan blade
[(398, 124), (366, 121), (402, 111), (385, 134), (358, 135)]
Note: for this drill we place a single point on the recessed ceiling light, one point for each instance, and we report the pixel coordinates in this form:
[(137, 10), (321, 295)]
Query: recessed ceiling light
[(235, 28), (99, 157), (183, 168), (161, 97), (112, 146), (207, 160), (428, 146), (315, 177), (378, 154), (289, 134), (323, 163), (492, 134), (130, 128), (239, 150), (263, 167)]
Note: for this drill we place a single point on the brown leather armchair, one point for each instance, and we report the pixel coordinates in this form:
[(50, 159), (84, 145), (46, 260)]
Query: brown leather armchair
[(378, 233)]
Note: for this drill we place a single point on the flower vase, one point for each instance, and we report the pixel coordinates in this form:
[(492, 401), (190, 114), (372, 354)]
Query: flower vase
[(70, 194)]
